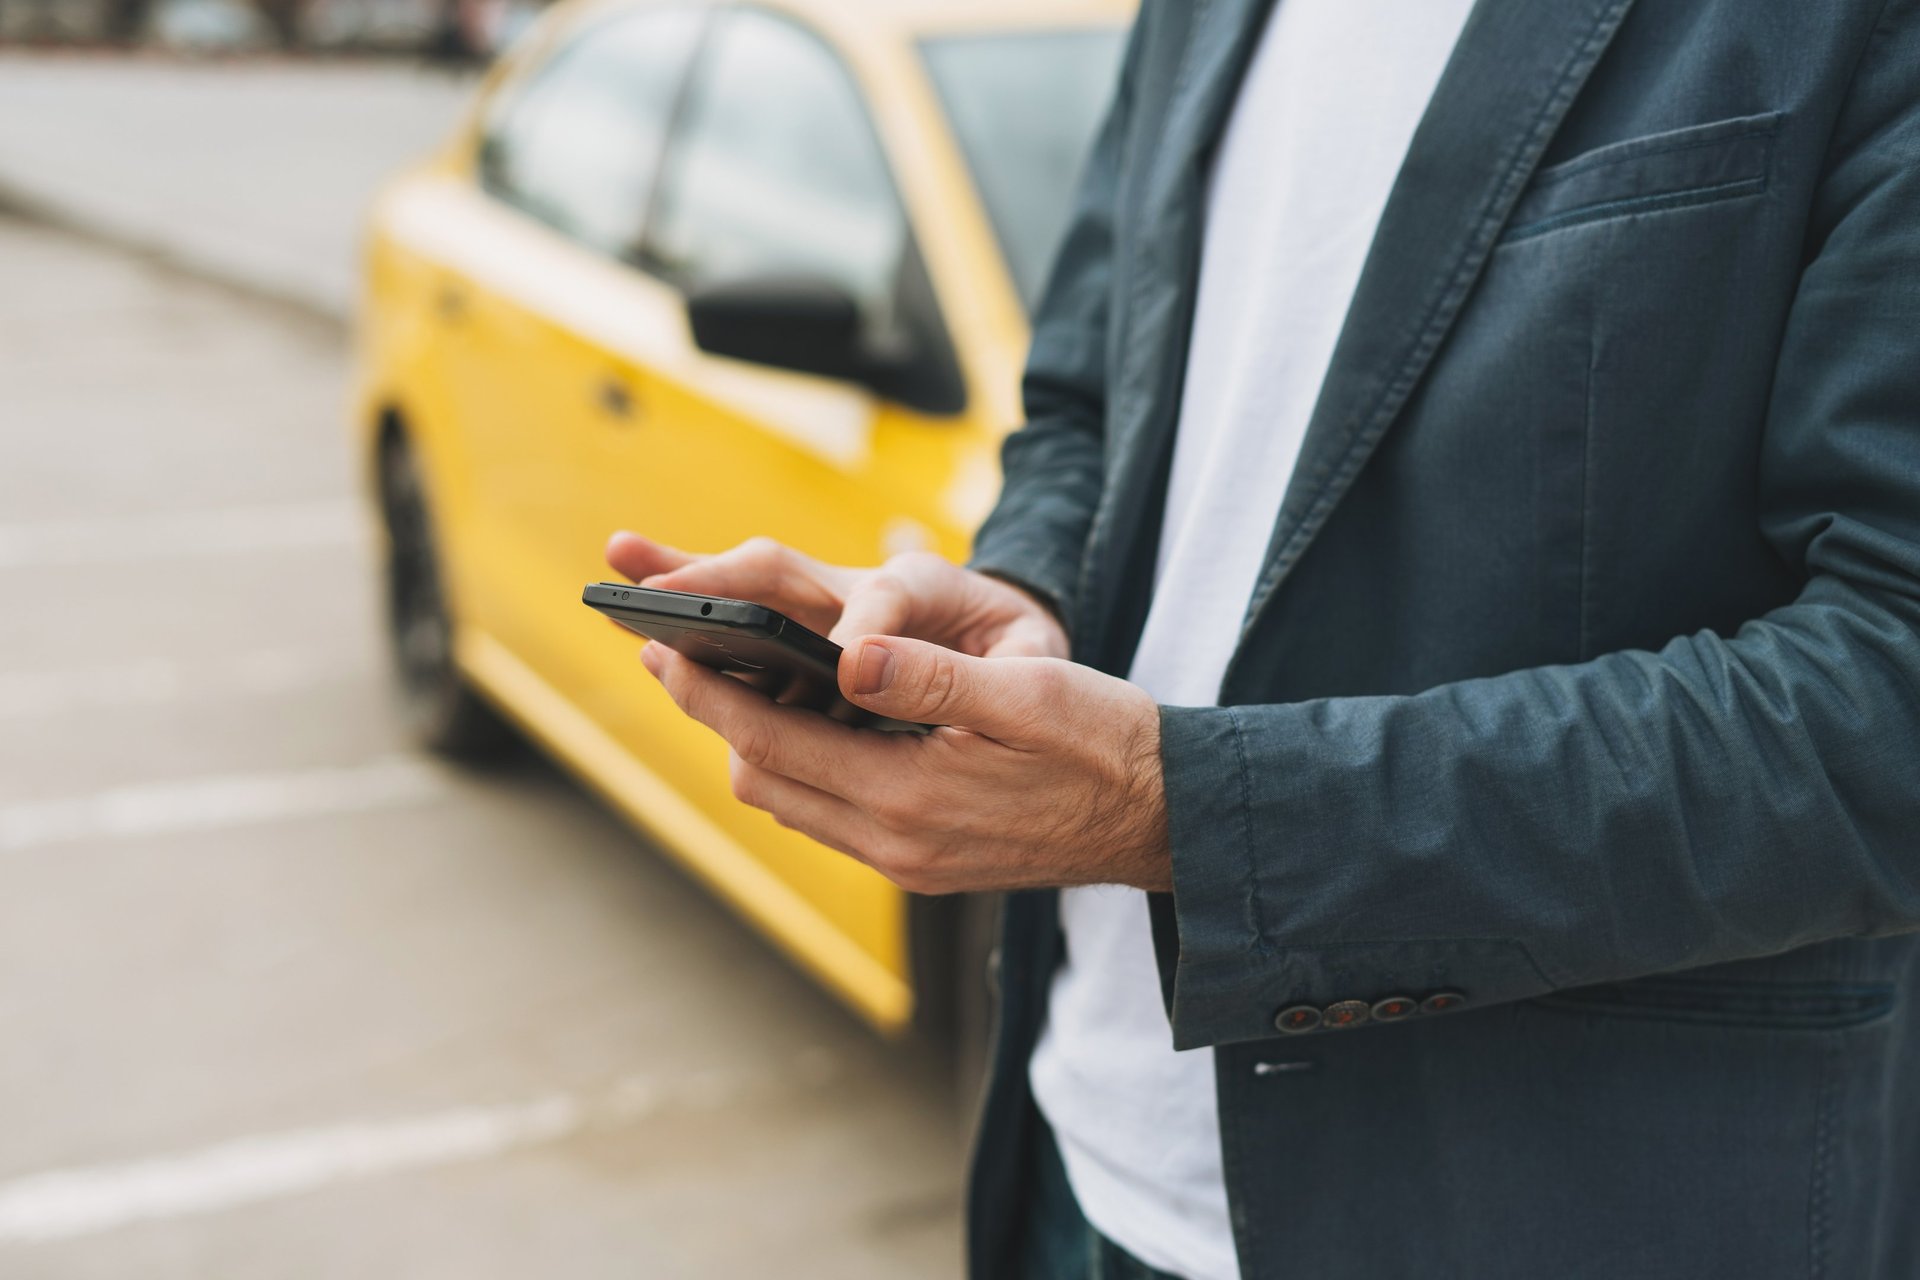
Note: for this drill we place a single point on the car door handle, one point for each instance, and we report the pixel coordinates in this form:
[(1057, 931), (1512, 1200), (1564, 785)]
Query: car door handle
[(615, 399), (450, 303)]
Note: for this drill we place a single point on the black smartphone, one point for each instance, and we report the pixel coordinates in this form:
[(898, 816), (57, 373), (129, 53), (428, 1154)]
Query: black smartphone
[(764, 648)]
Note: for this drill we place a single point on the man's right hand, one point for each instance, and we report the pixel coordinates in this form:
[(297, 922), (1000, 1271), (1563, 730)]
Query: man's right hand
[(918, 594)]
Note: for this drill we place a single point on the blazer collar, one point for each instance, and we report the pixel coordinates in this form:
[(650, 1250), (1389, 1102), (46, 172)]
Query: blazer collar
[(1517, 68)]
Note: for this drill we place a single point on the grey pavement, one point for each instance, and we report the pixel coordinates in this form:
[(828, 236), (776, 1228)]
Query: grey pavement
[(278, 998), (255, 171)]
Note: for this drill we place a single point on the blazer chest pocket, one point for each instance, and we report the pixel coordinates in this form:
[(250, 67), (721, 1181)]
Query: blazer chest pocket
[(1701, 164)]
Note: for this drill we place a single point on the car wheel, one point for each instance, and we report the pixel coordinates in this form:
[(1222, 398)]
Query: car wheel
[(440, 709)]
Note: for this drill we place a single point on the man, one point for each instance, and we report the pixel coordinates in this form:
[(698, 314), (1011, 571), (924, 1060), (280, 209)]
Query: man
[(1489, 437)]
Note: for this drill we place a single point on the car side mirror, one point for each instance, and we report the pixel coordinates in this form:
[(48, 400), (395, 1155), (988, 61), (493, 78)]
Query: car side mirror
[(800, 323), (811, 325)]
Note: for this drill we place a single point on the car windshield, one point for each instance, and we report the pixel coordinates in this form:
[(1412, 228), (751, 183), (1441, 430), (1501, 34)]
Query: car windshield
[(1024, 106)]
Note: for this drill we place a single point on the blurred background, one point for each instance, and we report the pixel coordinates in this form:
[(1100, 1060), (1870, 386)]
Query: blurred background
[(364, 910)]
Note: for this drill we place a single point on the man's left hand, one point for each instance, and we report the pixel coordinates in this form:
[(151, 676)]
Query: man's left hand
[(1041, 772)]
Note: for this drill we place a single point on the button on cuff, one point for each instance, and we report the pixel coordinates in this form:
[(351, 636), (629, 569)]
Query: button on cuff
[(1394, 1008), (1296, 1019), (1347, 1013)]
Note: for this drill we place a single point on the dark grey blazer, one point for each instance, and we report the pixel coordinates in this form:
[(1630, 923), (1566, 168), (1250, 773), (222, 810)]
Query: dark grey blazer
[(1583, 678)]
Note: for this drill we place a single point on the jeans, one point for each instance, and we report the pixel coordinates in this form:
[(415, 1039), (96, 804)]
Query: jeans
[(1059, 1243)]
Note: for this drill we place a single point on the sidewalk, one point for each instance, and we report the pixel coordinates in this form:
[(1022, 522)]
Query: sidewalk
[(256, 173)]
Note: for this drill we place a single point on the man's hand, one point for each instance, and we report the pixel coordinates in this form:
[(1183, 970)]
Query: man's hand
[(1043, 774), (918, 594)]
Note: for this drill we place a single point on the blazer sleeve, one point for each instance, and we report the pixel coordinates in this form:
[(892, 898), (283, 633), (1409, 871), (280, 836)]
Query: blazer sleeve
[(1055, 466), (1727, 797)]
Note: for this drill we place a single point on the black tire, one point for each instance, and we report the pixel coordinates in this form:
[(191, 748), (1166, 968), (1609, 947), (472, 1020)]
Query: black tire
[(954, 939), (440, 710)]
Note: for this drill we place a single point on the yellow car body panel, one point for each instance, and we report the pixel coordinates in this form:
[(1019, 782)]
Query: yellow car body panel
[(553, 395)]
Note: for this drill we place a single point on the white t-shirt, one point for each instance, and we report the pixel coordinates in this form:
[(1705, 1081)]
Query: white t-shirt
[(1316, 139)]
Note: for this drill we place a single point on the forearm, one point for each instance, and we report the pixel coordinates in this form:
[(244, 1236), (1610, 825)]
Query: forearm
[(1644, 812), (1726, 797), (1055, 466), (1037, 532)]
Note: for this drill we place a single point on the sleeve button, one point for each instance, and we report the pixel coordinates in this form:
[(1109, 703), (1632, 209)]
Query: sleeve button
[(1299, 1018), (1394, 1008), (1442, 1002), (1348, 1013)]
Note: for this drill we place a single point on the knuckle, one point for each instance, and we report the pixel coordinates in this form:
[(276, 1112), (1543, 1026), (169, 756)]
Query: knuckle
[(908, 564), (884, 585), (754, 745), (1049, 681), (890, 809), (926, 573), (675, 683), (762, 550), (921, 873), (692, 696), (898, 859), (1047, 688), (899, 812), (940, 682)]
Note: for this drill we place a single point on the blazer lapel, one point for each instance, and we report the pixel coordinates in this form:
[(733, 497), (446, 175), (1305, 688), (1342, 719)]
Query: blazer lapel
[(1192, 95), (1219, 44), (1516, 70)]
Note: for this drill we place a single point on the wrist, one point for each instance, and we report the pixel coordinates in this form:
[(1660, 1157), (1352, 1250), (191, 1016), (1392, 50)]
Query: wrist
[(1146, 852)]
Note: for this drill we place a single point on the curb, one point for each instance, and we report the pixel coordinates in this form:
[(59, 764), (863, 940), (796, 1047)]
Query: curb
[(23, 206)]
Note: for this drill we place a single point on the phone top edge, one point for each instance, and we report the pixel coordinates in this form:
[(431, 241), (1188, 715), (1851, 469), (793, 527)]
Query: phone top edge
[(683, 607)]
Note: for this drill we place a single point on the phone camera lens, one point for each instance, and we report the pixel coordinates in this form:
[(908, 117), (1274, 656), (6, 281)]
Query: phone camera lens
[(705, 609)]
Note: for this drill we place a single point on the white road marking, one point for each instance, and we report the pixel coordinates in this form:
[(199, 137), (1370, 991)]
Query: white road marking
[(156, 681), (216, 803), (126, 540), (62, 1204)]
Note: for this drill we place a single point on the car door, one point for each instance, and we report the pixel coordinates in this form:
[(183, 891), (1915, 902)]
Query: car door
[(775, 170), (539, 309)]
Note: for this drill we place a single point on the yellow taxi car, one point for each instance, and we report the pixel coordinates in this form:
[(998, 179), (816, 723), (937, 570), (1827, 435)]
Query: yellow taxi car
[(709, 271)]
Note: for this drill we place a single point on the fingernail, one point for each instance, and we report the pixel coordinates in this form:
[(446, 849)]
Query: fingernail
[(875, 671), (651, 658)]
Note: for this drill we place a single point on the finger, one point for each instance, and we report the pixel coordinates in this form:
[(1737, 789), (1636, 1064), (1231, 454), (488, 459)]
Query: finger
[(839, 825), (769, 573), (1029, 638), (635, 557), (1004, 698), (905, 596), (793, 741), (812, 812), (879, 606)]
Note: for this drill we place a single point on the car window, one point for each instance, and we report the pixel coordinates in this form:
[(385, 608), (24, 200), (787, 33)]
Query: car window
[(579, 145), (776, 170), (1024, 106)]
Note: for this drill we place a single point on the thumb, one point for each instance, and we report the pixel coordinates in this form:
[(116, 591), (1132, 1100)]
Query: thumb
[(927, 684)]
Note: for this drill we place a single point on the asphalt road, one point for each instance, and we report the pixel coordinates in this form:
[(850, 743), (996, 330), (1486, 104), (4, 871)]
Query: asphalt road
[(279, 998), (253, 170)]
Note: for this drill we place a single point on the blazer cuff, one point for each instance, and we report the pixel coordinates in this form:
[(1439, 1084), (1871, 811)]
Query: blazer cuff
[(1247, 948)]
